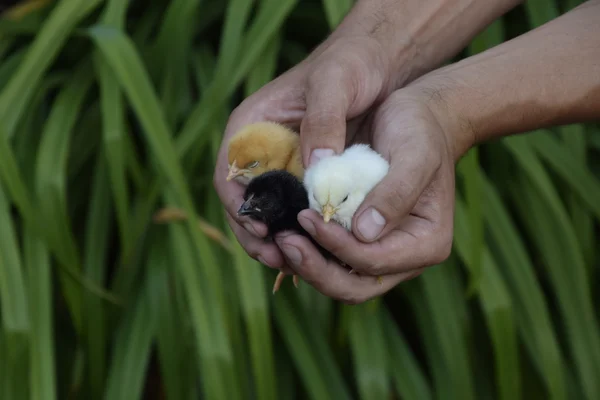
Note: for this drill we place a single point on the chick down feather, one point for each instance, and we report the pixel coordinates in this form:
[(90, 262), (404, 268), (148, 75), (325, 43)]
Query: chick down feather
[(263, 146)]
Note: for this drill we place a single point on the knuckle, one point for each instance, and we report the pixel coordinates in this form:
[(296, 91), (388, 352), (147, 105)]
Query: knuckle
[(320, 120), (338, 69), (442, 248)]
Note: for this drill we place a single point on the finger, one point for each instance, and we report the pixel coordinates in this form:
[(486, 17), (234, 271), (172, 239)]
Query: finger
[(328, 96), (415, 244), (330, 278), (413, 164)]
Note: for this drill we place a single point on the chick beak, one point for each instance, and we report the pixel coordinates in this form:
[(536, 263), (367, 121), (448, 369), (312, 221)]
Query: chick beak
[(247, 208), (328, 211), (233, 173)]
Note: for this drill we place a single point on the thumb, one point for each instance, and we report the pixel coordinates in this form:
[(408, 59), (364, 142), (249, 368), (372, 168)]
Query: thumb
[(390, 201), (328, 94)]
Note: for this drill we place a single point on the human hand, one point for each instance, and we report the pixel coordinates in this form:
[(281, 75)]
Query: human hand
[(425, 128), (404, 224), (380, 46), (344, 77)]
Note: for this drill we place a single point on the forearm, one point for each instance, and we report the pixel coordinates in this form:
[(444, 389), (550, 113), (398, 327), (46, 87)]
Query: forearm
[(419, 35), (547, 77)]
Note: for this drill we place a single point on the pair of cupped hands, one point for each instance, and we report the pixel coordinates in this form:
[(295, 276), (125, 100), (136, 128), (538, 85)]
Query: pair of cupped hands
[(344, 93), (369, 82)]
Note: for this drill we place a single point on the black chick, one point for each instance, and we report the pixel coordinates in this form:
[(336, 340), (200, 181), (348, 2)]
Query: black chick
[(275, 198)]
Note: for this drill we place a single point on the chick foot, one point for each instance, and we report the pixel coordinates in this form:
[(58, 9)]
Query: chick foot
[(279, 279)]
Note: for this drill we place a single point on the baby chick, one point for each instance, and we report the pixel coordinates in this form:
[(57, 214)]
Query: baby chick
[(275, 198), (262, 147), (337, 185)]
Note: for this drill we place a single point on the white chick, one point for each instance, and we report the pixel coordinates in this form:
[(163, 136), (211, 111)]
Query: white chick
[(337, 185)]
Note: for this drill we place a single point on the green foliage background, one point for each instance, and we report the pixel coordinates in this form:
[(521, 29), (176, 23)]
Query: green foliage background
[(110, 110)]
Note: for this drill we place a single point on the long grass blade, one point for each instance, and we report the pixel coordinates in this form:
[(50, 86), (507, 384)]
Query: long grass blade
[(42, 356), (125, 63), (564, 163), (175, 38), (271, 15), (368, 344), (44, 49), (575, 138), (310, 354), (530, 306), (113, 124), (51, 168), (133, 344), (409, 379), (450, 332), (94, 266), (497, 307), (14, 305), (546, 216)]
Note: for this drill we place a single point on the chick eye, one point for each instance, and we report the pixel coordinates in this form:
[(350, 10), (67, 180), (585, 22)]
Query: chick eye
[(253, 164), (345, 198)]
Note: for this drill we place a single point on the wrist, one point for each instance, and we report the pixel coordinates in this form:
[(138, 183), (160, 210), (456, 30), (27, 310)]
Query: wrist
[(528, 83)]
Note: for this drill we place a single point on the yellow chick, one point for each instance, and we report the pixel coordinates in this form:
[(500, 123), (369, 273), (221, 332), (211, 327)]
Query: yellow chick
[(261, 147)]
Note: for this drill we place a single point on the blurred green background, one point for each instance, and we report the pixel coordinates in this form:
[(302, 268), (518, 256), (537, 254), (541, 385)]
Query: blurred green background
[(111, 110)]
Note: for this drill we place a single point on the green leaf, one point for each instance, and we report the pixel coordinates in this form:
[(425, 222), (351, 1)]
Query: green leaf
[(94, 266), (308, 349), (371, 360), (469, 170), (269, 19), (564, 163), (530, 308), (133, 344), (44, 49), (408, 376), (15, 308), (497, 306), (50, 182), (126, 64), (554, 237), (443, 303), (42, 357)]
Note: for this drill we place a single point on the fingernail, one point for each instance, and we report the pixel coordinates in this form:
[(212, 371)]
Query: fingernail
[(292, 254), (262, 261), (308, 225), (317, 154), (250, 228), (370, 223)]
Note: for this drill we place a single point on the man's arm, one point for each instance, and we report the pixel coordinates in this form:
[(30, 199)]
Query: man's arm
[(422, 33), (549, 76)]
